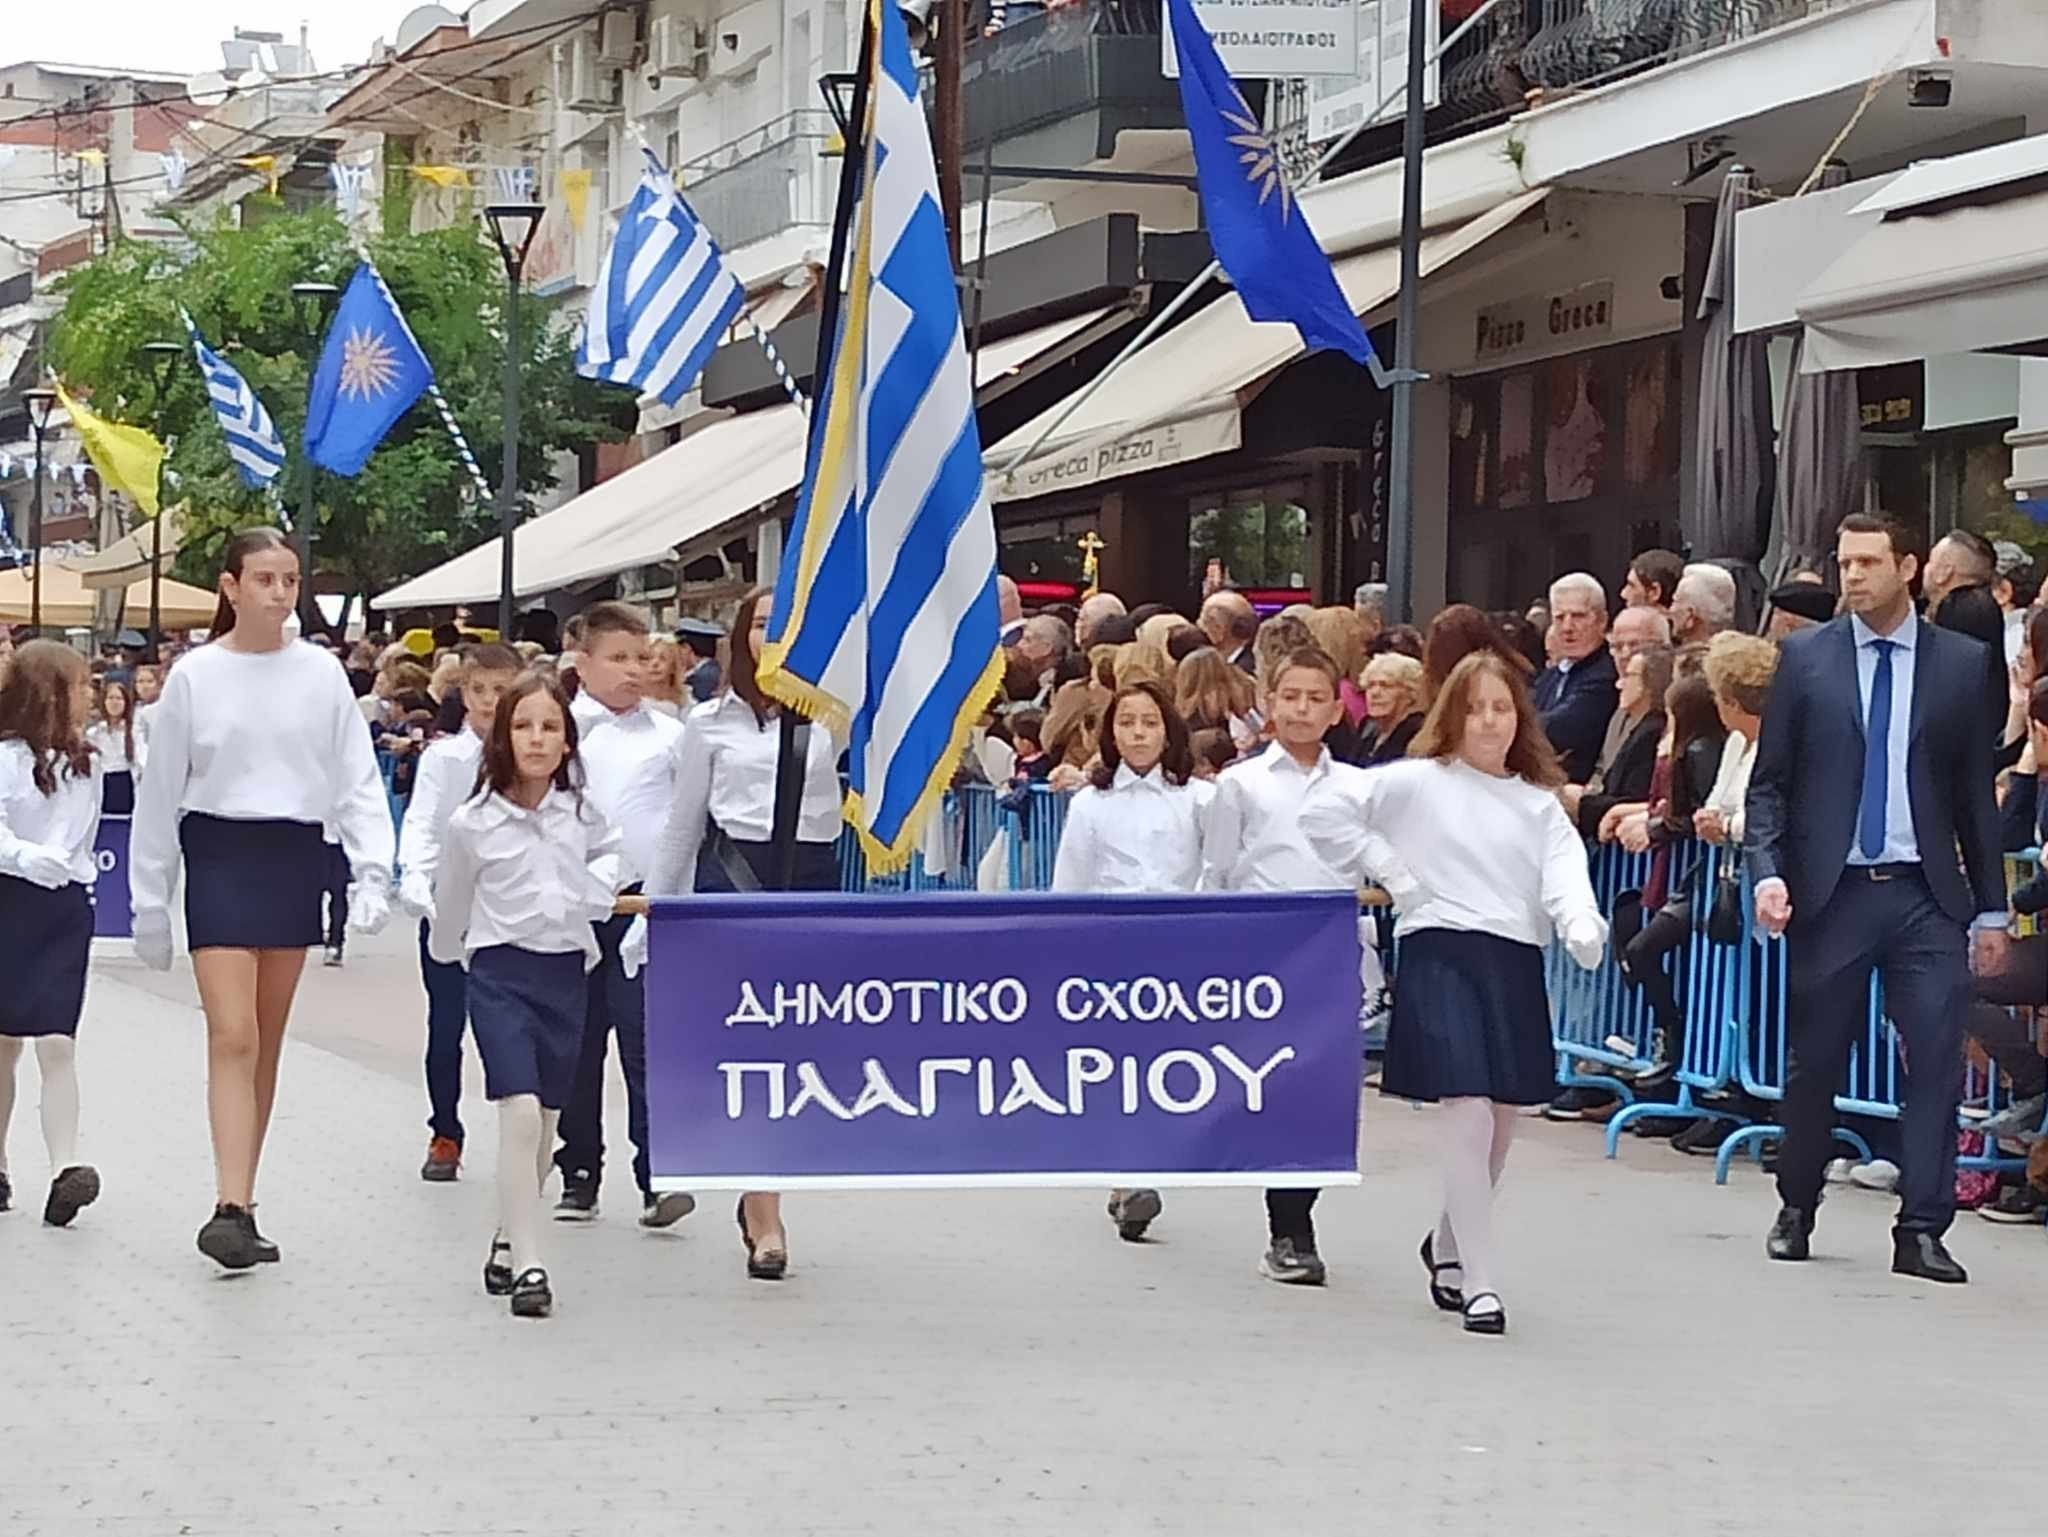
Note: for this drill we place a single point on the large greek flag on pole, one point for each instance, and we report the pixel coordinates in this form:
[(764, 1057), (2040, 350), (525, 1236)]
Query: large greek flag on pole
[(663, 298), (884, 621), (253, 441)]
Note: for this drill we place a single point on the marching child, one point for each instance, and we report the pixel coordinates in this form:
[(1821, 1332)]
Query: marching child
[(116, 739), (1136, 826), (446, 777), (527, 866), (1253, 842), (49, 818)]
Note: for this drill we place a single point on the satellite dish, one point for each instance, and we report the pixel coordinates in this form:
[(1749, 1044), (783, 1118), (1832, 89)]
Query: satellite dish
[(425, 20)]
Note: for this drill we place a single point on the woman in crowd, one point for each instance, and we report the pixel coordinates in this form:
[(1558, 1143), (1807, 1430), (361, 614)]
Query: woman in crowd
[(720, 830), (1140, 663), (1157, 630), (1400, 639), (1637, 735), (526, 868), (1469, 839), (1212, 695), (1136, 826), (257, 742), (664, 688), (1393, 709), (1454, 634), (116, 739), (49, 819), (1341, 634)]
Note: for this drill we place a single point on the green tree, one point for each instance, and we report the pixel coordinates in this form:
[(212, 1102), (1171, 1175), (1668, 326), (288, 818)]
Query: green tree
[(413, 505)]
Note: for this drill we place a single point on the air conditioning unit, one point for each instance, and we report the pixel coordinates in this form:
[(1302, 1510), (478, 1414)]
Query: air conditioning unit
[(677, 49), (593, 86), (618, 39)]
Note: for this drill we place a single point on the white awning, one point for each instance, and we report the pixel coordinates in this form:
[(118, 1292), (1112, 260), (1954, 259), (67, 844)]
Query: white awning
[(1183, 396), (1958, 263), (719, 475)]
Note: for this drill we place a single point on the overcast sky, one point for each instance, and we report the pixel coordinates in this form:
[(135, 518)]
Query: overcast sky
[(181, 36)]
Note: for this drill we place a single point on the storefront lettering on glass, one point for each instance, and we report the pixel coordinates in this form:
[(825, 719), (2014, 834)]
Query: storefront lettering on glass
[(1544, 322)]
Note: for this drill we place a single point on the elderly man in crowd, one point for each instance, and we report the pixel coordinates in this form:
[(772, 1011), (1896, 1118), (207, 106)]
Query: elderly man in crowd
[(1575, 696), (1043, 644), (1009, 611), (1637, 630), (1702, 605), (1231, 624), (1370, 602), (1093, 611), (1652, 580), (2015, 587)]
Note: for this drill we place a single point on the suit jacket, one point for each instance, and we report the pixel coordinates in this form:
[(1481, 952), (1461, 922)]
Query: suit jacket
[(1575, 707), (1627, 775), (1804, 793), (1373, 749)]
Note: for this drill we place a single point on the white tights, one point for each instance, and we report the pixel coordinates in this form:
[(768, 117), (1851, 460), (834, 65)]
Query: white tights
[(57, 1059), (526, 1136), (1476, 1135)]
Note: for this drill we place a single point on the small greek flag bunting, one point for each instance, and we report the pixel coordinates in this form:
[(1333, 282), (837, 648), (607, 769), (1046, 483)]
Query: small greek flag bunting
[(351, 185), (663, 299), (514, 183), (253, 441)]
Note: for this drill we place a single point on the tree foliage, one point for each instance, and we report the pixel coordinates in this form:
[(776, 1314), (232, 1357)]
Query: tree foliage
[(413, 505)]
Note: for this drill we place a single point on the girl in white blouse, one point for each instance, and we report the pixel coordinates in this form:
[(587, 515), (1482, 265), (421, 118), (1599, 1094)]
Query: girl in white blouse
[(1472, 844), (49, 821), (720, 836), (117, 738), (526, 867), (254, 744), (1136, 826)]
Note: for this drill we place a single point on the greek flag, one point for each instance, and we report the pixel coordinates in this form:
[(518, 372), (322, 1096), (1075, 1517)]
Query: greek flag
[(884, 621), (253, 442), (663, 298)]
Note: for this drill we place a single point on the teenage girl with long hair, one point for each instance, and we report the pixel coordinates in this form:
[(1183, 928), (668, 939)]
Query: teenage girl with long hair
[(255, 743), (526, 867), (1137, 826), (720, 836), (117, 740), (49, 819), (1469, 839)]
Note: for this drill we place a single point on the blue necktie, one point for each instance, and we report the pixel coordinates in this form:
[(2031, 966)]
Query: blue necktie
[(1877, 734)]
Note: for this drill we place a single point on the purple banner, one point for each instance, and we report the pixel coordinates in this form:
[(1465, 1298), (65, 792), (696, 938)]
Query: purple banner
[(111, 918), (958, 1039)]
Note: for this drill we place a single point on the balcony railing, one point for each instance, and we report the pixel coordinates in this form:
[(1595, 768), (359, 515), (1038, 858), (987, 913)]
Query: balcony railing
[(772, 180), (1552, 45), (1048, 64)]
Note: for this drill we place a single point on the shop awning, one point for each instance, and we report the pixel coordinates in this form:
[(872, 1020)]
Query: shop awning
[(1183, 396), (1958, 262), (69, 604), (128, 558), (719, 475)]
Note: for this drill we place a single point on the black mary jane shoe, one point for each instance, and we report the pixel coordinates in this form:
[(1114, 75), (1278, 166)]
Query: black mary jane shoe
[(1493, 1321), (762, 1264), (531, 1297), (1449, 1298), (498, 1277)]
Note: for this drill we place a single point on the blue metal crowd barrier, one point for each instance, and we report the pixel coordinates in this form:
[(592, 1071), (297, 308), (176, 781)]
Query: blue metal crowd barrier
[(969, 825), (1596, 1016)]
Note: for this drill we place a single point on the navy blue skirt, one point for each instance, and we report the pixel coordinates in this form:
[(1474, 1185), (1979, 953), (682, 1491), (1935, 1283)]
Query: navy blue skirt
[(252, 885), (527, 1009), (45, 942), (1471, 1018)]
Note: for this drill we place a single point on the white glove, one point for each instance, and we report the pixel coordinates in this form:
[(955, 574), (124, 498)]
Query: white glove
[(633, 947), (153, 938), (416, 895), (369, 906), (42, 865), (1585, 940)]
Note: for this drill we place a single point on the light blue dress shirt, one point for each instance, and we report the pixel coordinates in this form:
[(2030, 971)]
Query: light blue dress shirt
[(1900, 846)]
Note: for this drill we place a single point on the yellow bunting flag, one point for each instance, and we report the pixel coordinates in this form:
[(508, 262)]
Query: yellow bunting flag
[(576, 193), (265, 166), (443, 176), (93, 156), (129, 460)]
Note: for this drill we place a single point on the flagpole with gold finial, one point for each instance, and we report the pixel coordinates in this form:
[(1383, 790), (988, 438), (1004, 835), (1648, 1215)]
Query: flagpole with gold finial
[(1091, 570)]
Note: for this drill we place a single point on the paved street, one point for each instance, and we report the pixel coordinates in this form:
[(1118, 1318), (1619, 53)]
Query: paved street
[(955, 1363)]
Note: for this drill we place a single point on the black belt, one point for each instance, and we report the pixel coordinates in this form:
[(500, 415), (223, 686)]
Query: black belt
[(1882, 872)]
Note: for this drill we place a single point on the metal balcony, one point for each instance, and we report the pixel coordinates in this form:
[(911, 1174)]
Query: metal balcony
[(768, 182)]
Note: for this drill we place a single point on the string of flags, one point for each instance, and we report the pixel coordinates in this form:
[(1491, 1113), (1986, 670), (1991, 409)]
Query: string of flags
[(26, 463)]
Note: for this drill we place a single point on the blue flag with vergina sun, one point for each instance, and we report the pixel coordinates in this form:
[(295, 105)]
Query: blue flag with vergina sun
[(1256, 227), (370, 373)]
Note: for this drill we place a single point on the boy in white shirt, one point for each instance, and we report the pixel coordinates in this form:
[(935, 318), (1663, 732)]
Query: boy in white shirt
[(630, 754), (1254, 842), (445, 778)]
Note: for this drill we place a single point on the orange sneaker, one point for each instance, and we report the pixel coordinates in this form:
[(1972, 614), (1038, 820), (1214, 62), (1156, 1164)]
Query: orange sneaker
[(444, 1157)]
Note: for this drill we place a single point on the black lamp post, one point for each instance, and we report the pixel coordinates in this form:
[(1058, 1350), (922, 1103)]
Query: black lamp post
[(512, 226), (317, 297), (164, 358), (40, 404)]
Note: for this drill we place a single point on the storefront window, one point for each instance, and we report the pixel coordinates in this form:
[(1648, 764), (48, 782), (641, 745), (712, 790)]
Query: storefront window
[(1258, 538), (1045, 549)]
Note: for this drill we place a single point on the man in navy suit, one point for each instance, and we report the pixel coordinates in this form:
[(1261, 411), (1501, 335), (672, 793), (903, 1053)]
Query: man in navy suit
[(1575, 696), (1873, 774)]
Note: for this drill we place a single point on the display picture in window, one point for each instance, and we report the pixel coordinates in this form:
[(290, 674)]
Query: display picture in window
[(1575, 444)]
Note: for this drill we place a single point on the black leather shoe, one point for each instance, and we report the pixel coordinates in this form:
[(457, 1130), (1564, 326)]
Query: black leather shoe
[(1922, 1255), (1789, 1234)]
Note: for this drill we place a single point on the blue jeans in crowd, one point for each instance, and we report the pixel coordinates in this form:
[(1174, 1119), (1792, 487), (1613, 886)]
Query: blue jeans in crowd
[(447, 1018)]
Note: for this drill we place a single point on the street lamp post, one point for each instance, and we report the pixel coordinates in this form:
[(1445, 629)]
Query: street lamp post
[(317, 296), (40, 404), (512, 227), (164, 358)]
